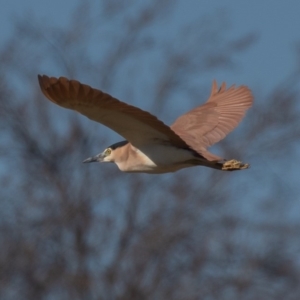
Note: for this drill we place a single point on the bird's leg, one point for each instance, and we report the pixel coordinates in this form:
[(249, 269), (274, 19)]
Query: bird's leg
[(232, 165)]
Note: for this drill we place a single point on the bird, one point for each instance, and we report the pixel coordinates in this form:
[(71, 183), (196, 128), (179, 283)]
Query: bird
[(150, 146)]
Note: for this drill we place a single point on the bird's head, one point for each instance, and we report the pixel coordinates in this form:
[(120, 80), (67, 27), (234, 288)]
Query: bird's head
[(105, 156), (110, 154)]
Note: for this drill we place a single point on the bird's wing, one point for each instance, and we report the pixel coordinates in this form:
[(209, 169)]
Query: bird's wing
[(135, 125), (207, 124)]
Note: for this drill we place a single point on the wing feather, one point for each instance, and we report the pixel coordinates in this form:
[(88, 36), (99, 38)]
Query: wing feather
[(135, 125), (209, 123)]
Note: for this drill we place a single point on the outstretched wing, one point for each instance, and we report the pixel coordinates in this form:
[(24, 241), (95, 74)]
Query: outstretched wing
[(135, 125), (207, 124)]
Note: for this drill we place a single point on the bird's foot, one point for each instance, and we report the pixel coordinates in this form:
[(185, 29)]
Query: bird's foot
[(232, 165)]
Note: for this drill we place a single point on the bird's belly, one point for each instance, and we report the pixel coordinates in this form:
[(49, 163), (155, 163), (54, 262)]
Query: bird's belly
[(161, 159)]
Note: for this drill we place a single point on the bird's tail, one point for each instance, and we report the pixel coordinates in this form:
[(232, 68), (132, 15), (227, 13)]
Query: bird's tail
[(223, 165)]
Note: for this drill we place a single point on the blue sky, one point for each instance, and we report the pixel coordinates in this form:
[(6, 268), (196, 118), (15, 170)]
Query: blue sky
[(267, 62)]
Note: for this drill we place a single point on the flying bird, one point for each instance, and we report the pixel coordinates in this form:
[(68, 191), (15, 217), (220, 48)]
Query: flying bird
[(150, 146)]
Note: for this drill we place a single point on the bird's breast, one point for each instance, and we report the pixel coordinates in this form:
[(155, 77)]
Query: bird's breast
[(157, 159)]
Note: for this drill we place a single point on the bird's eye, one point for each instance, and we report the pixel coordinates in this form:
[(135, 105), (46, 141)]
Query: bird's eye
[(107, 151)]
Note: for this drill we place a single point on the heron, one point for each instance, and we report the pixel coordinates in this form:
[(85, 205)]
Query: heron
[(150, 146)]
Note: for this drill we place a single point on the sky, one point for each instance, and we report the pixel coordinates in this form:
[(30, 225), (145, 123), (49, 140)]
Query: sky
[(276, 23), (268, 62)]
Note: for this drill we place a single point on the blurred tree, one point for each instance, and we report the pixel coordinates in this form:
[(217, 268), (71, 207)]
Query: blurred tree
[(69, 231)]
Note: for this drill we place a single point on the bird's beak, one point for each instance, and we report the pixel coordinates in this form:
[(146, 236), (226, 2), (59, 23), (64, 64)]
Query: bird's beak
[(97, 158)]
